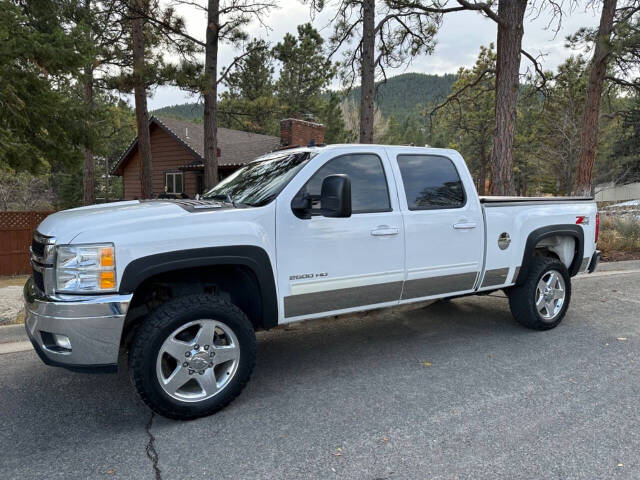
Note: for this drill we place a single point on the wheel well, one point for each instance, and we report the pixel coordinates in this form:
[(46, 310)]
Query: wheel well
[(560, 247), (564, 242), (236, 283)]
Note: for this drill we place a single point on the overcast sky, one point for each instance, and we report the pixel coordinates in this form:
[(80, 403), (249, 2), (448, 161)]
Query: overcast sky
[(458, 41)]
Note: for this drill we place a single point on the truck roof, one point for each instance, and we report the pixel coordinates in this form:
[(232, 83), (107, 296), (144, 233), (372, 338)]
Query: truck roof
[(351, 146)]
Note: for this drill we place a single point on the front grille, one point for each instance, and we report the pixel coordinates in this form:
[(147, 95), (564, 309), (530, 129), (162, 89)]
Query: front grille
[(42, 262), (38, 280), (37, 248)]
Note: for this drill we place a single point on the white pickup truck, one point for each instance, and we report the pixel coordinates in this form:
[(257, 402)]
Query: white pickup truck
[(297, 234)]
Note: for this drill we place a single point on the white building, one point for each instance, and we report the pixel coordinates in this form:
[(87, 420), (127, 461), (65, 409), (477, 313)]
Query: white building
[(608, 192)]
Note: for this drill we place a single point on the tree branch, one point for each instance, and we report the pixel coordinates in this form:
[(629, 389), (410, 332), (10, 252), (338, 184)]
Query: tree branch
[(537, 68), (456, 94), (225, 72), (464, 5)]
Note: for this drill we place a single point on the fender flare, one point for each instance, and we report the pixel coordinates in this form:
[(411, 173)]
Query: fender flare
[(255, 258), (541, 233)]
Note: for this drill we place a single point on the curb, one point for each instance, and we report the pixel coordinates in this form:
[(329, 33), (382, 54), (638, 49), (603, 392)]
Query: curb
[(13, 333), (15, 347)]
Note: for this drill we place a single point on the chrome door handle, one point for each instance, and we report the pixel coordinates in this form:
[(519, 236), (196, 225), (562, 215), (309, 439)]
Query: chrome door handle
[(465, 225), (384, 230)]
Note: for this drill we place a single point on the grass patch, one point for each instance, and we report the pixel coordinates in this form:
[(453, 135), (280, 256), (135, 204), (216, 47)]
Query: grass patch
[(619, 237), (13, 280)]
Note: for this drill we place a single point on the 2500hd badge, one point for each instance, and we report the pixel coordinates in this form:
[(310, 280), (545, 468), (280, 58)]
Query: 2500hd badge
[(306, 276)]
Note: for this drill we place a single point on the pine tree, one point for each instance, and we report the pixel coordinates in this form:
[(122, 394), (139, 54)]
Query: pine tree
[(226, 22), (252, 76), (375, 38), (304, 72), (330, 115), (148, 32), (560, 122), (38, 110), (250, 103), (468, 114), (393, 134)]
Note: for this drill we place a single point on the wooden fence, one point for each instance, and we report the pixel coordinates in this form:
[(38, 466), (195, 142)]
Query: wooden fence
[(16, 232)]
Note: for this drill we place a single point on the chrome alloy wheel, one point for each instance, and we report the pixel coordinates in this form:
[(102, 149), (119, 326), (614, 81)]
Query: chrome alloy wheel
[(550, 295), (198, 360)]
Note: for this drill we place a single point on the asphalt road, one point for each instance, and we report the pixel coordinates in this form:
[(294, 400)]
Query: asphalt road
[(354, 399)]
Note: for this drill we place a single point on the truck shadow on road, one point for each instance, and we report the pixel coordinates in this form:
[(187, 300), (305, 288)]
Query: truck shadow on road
[(445, 329)]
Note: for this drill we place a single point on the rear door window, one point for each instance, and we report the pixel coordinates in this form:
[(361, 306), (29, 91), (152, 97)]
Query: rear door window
[(431, 182)]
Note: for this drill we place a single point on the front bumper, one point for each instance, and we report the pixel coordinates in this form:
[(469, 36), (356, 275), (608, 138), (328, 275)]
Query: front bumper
[(92, 324)]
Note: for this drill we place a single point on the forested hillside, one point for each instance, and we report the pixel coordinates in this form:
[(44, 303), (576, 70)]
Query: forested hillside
[(404, 94), (400, 96), (189, 111)]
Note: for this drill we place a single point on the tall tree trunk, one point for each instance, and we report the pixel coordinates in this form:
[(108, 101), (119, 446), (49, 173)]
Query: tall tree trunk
[(106, 180), (510, 30), (140, 95), (589, 135), (482, 174), (88, 169), (53, 184), (367, 71), (210, 96), (570, 171)]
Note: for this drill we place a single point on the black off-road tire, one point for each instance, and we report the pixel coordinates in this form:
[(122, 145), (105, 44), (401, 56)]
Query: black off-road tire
[(153, 331), (522, 299)]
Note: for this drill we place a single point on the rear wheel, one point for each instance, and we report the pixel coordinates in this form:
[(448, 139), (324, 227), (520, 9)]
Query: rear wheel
[(542, 301), (192, 356)]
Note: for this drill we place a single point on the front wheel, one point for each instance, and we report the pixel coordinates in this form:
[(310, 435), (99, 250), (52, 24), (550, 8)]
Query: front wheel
[(542, 301), (192, 356)]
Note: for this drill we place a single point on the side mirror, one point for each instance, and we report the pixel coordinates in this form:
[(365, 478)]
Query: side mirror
[(335, 196), (301, 205)]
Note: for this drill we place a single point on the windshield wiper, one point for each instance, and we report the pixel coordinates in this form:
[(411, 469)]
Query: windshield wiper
[(227, 198), (221, 196)]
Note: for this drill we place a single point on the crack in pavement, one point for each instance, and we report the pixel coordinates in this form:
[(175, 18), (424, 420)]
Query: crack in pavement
[(150, 449)]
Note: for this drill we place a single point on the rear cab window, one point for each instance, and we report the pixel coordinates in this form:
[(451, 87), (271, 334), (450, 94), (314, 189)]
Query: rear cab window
[(431, 182)]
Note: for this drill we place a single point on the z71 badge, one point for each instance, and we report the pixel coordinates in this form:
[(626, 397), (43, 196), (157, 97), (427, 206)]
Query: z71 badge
[(306, 276)]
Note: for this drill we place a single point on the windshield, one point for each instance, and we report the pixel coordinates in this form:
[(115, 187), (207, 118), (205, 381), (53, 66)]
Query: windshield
[(259, 182)]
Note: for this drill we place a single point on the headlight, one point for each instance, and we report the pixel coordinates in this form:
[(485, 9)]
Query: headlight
[(85, 268)]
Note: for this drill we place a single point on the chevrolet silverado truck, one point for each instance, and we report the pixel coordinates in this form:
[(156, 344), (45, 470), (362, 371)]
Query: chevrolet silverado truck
[(182, 285)]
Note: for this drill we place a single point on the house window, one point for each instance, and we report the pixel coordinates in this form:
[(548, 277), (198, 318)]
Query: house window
[(173, 182), (199, 183)]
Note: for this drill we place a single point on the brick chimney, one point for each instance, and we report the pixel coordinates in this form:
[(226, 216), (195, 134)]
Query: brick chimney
[(300, 133)]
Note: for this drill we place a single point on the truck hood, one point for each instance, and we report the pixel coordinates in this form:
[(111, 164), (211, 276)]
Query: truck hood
[(68, 224)]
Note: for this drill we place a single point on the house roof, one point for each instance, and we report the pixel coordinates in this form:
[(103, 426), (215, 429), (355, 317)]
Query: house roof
[(236, 147)]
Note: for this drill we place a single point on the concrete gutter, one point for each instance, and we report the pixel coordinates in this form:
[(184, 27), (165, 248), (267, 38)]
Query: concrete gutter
[(13, 338), (13, 333)]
